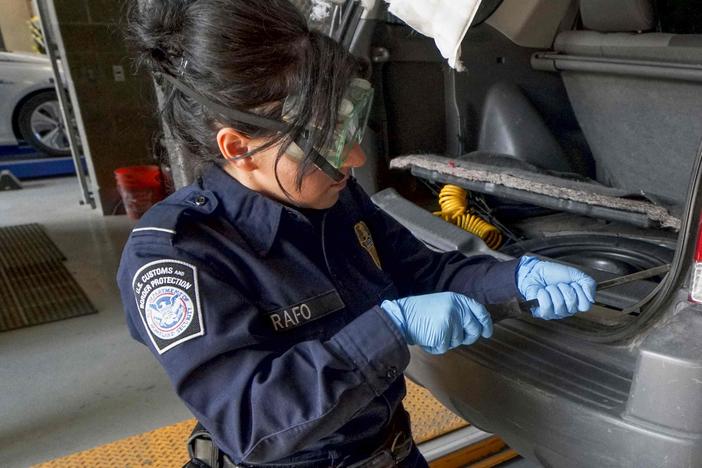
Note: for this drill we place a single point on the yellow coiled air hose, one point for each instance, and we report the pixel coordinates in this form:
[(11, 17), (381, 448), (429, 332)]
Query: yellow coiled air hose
[(454, 209)]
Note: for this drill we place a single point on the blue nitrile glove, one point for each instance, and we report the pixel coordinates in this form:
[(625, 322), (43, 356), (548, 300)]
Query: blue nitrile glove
[(441, 321), (562, 291)]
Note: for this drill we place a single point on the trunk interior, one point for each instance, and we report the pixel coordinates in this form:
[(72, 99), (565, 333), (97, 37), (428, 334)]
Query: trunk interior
[(581, 151)]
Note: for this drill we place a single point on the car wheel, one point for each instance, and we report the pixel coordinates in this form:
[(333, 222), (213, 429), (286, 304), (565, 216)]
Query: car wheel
[(41, 124)]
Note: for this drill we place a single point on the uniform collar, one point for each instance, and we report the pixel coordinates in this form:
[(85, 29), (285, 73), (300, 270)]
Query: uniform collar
[(255, 216)]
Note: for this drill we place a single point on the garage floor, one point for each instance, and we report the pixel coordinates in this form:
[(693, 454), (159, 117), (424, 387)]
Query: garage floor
[(74, 384)]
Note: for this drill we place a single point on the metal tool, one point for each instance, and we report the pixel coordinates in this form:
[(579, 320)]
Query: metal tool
[(645, 274), (522, 309)]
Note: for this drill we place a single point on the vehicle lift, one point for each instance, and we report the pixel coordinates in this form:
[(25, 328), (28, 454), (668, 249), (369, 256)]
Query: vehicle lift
[(21, 162)]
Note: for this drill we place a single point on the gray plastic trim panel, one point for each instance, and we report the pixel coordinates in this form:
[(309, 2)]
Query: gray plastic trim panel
[(656, 70)]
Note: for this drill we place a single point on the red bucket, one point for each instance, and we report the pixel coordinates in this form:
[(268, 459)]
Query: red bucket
[(140, 188)]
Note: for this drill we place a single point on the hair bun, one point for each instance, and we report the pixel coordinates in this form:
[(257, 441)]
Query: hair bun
[(156, 31)]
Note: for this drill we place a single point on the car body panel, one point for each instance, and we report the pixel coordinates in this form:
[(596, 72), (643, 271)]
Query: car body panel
[(544, 416)]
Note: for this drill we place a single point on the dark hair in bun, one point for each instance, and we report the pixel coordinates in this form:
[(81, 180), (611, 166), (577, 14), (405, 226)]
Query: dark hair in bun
[(245, 54)]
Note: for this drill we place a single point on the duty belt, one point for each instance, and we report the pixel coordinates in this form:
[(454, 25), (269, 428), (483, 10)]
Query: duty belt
[(205, 454)]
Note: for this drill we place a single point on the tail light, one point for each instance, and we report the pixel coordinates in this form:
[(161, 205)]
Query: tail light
[(696, 287)]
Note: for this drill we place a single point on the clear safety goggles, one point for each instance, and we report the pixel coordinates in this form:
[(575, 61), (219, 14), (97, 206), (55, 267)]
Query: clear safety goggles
[(354, 111)]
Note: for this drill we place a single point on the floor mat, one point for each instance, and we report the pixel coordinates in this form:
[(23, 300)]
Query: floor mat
[(35, 287), (430, 419), (166, 448)]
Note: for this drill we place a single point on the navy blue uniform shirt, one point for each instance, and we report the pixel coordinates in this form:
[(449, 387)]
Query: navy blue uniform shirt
[(269, 328)]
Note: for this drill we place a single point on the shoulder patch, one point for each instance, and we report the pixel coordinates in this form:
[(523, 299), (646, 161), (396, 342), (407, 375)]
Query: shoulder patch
[(168, 300)]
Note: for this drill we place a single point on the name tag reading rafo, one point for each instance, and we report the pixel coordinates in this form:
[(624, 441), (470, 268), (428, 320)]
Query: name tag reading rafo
[(309, 310)]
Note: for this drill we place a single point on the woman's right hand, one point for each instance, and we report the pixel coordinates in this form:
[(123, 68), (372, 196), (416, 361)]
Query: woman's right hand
[(440, 321)]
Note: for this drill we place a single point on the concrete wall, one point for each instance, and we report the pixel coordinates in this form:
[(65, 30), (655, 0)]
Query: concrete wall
[(118, 116), (14, 15)]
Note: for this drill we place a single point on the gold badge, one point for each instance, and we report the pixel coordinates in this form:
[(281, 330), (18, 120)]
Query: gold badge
[(366, 241)]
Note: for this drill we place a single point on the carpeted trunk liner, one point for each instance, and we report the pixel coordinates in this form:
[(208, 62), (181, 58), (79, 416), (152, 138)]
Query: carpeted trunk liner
[(450, 170), (35, 286)]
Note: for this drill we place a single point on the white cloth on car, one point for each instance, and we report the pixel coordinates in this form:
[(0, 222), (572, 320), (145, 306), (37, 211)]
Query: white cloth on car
[(446, 21)]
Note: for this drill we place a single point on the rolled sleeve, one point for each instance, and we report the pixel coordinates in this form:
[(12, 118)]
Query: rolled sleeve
[(489, 282), (376, 347)]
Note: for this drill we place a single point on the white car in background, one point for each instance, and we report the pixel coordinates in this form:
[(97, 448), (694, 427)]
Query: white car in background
[(29, 108)]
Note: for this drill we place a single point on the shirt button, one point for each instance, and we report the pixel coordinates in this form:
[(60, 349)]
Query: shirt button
[(392, 373), (200, 200)]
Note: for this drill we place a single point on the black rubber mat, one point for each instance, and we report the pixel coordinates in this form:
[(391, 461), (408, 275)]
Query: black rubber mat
[(35, 286)]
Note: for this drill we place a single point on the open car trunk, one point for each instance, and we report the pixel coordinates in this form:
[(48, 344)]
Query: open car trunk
[(587, 163), (581, 148), (598, 389), (605, 231)]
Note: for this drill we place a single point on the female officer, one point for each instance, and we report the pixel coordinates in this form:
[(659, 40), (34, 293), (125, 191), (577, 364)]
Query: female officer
[(277, 297)]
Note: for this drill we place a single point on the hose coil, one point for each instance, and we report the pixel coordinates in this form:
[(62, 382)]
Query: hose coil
[(453, 201)]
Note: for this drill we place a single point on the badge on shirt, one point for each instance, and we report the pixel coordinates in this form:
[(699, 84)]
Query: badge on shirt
[(306, 311), (366, 240), (168, 300)]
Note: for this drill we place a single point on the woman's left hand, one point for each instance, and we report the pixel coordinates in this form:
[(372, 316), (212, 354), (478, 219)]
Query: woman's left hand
[(561, 290)]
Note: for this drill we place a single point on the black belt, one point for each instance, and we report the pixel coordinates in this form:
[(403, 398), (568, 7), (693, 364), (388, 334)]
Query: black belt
[(386, 457), (395, 448)]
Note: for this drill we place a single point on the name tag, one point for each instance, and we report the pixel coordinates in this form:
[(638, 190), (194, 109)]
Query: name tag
[(309, 310)]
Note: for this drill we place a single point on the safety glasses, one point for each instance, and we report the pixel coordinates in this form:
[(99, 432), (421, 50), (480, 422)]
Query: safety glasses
[(351, 122), (353, 116)]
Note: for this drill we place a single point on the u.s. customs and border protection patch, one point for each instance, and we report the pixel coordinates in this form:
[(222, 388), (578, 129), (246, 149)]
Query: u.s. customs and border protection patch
[(168, 299), (366, 241)]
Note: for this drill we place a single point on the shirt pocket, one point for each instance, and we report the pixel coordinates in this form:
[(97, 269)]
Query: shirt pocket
[(364, 272)]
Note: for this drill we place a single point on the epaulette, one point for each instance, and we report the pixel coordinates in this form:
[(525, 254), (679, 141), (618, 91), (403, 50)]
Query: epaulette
[(165, 216)]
